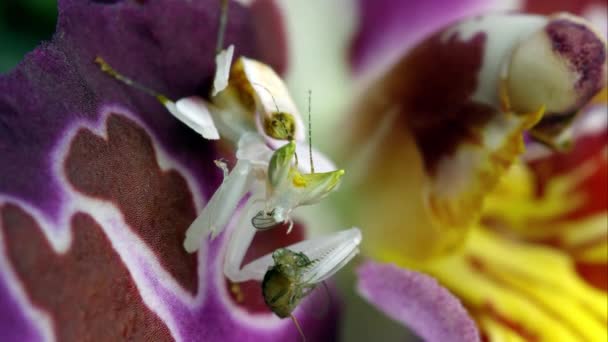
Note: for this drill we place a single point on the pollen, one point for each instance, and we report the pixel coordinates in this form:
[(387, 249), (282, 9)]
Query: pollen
[(298, 180), (237, 292)]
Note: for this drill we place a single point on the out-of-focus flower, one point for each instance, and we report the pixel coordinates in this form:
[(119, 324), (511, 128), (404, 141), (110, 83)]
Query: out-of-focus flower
[(441, 132), (416, 300), (98, 183), (596, 11)]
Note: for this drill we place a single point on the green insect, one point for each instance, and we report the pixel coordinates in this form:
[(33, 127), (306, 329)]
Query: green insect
[(283, 286), (292, 274)]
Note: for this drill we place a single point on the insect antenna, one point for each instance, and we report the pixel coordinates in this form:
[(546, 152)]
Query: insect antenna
[(312, 165), (295, 321), (105, 67), (329, 301), (316, 301), (269, 93), (222, 27)]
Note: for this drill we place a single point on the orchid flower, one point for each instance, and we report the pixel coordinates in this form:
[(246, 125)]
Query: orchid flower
[(446, 191), (99, 183), (105, 190), (243, 97)]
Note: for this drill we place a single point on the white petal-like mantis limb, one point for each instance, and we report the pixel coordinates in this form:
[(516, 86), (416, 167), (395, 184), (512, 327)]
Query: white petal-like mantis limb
[(223, 62), (221, 206), (240, 240), (329, 253), (318, 186), (193, 112)]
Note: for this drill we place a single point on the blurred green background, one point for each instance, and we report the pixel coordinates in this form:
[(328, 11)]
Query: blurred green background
[(23, 25)]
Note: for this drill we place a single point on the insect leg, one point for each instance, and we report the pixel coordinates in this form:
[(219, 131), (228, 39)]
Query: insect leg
[(220, 207), (295, 321), (239, 243)]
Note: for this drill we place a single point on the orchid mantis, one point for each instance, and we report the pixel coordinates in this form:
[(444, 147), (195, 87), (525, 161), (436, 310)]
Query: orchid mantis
[(250, 107)]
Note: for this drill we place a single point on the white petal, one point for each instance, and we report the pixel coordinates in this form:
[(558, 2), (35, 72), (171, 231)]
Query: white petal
[(220, 207), (502, 32), (193, 112), (223, 61), (331, 252)]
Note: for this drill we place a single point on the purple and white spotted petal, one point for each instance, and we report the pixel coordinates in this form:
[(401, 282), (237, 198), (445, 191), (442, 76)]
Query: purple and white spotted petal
[(98, 182), (417, 301)]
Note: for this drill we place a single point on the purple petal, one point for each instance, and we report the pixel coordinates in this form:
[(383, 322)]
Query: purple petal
[(98, 182), (417, 301), (388, 28), (553, 6)]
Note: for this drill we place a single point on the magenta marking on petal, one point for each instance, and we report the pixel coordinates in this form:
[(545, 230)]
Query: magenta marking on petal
[(15, 326), (417, 301), (389, 28)]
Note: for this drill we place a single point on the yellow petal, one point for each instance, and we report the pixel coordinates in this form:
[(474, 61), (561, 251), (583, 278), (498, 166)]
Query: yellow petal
[(516, 207), (431, 210), (463, 179), (532, 288)]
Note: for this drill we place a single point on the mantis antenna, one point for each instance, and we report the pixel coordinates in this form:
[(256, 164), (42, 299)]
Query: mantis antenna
[(269, 92), (328, 298), (105, 67), (312, 165), (222, 28)]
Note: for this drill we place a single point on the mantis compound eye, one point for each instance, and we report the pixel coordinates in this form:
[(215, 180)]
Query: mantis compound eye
[(280, 126)]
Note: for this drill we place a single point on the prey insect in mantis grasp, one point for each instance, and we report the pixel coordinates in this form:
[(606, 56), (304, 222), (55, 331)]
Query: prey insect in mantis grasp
[(282, 286), (292, 273)]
